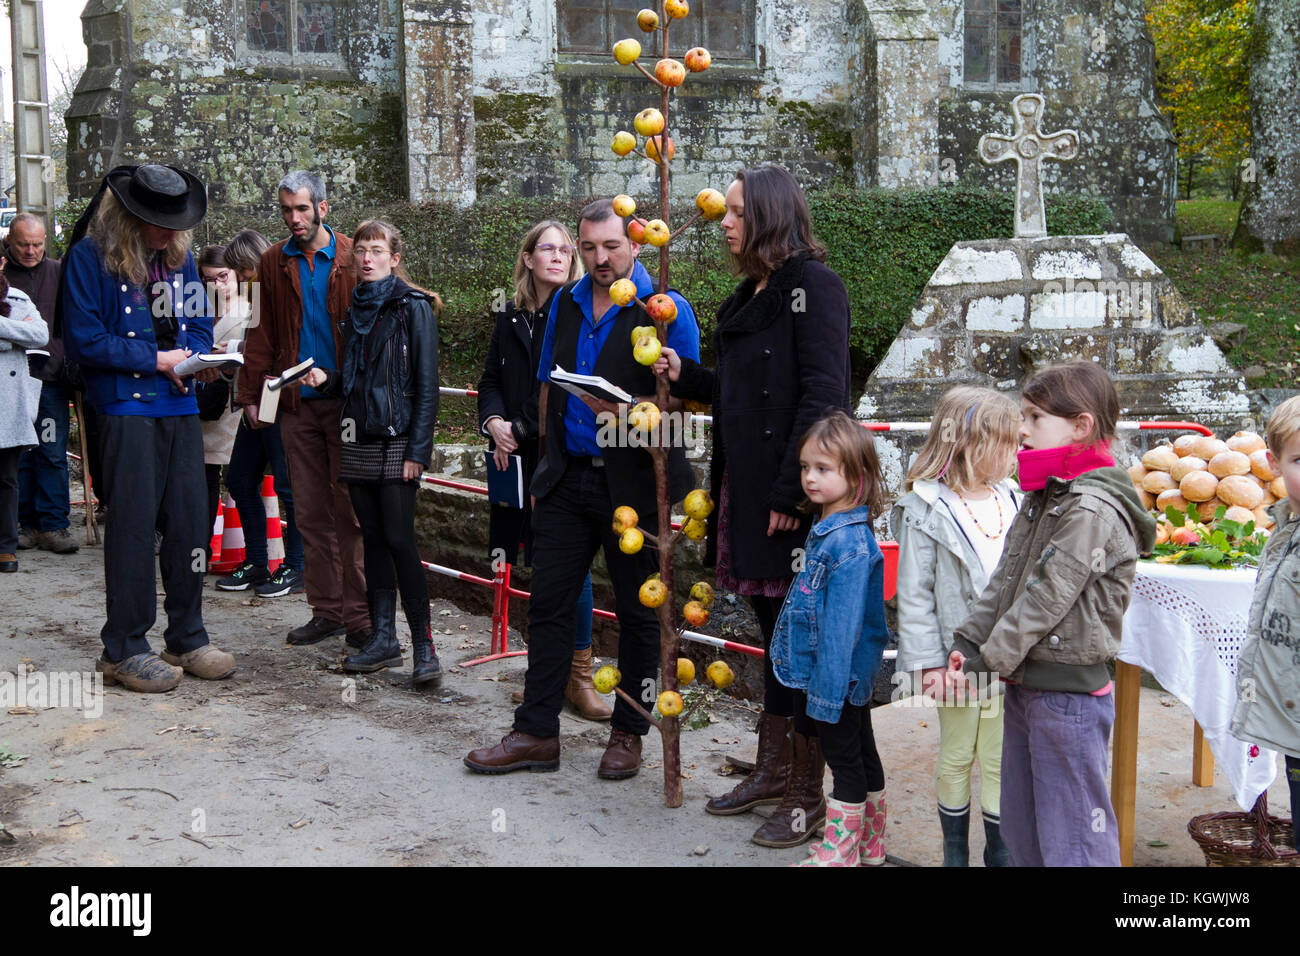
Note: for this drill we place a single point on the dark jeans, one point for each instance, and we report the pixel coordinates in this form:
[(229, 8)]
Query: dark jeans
[(9, 499), (849, 747), (254, 451), (153, 471), (1293, 781), (387, 517), (92, 422), (778, 699), (570, 525), (43, 470)]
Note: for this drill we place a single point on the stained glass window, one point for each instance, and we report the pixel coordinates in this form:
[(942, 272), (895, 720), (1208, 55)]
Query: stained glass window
[(268, 25), (282, 26), (725, 27), (992, 41), (315, 27)]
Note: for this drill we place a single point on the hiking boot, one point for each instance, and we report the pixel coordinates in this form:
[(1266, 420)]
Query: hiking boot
[(425, 667), (244, 577), (206, 662), (26, 539), (383, 649), (59, 541), (284, 581), (8, 563), (622, 756), (765, 785), (145, 672), (802, 809), (516, 752), (315, 631)]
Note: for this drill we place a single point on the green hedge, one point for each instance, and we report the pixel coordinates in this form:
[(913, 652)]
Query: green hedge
[(884, 244)]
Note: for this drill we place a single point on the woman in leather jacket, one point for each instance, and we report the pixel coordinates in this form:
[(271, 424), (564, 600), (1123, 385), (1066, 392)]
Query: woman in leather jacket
[(389, 387)]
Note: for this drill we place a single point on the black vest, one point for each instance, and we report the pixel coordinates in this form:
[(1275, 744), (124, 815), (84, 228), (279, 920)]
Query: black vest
[(630, 470)]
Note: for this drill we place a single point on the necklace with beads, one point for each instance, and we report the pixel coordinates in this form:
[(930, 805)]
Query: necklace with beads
[(976, 521)]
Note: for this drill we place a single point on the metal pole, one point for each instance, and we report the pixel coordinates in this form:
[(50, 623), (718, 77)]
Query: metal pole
[(33, 165)]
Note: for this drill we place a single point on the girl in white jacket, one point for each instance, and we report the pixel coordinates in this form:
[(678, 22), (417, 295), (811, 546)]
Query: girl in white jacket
[(950, 527)]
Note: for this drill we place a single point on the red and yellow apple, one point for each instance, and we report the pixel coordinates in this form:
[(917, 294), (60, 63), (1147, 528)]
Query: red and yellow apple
[(652, 148), (712, 204), (649, 122), (627, 51), (625, 517), (697, 59), (1185, 534), (670, 72), (636, 231), (695, 613), (652, 592), (661, 307)]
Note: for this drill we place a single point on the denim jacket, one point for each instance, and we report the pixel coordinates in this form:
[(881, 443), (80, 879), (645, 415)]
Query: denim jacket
[(831, 634)]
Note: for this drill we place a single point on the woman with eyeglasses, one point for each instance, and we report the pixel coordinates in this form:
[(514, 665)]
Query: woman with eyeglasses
[(507, 412)]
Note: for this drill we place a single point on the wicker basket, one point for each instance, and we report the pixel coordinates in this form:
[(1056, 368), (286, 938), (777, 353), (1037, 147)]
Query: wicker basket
[(1245, 839)]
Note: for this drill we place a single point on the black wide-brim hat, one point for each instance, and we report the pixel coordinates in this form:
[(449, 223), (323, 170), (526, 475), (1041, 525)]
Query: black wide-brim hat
[(165, 196)]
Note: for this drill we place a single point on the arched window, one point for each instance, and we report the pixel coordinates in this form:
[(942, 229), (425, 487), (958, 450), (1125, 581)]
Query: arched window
[(725, 27), (992, 45)]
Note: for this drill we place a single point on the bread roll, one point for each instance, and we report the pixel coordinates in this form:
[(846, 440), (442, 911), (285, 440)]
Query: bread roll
[(1183, 445), (1207, 447), (1167, 498), (1148, 499), (1160, 458), (1137, 473), (1269, 499), (1207, 509), (1238, 513), (1227, 463), (1158, 481), (1186, 466), (1263, 519), (1245, 442), (1198, 486), (1278, 487), (1239, 490), (1259, 465)]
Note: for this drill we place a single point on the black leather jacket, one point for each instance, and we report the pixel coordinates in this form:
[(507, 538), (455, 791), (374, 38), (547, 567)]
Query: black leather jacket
[(396, 390)]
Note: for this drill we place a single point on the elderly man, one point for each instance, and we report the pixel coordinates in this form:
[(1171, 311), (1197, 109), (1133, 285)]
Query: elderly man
[(131, 315), (43, 469)]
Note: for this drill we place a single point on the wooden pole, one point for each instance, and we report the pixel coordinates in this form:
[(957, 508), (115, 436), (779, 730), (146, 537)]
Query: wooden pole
[(92, 526)]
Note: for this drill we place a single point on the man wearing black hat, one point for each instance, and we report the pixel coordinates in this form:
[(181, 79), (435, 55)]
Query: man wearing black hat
[(132, 309)]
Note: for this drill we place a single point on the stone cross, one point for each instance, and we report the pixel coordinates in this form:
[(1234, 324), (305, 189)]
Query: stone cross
[(1029, 148)]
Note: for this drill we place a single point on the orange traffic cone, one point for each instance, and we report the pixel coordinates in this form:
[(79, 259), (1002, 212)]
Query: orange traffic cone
[(217, 527), (274, 537), (232, 540)]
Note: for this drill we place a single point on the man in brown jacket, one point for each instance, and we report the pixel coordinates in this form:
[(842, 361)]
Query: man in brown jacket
[(306, 286)]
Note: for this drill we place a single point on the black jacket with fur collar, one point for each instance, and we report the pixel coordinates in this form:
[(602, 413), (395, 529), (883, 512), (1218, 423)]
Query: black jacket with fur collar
[(782, 363)]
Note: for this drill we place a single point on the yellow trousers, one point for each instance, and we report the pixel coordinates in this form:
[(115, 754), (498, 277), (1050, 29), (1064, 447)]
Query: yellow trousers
[(970, 732)]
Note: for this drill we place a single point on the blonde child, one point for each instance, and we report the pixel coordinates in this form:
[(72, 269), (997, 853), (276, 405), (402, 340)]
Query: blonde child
[(1051, 617), (831, 634), (1268, 669), (950, 528)]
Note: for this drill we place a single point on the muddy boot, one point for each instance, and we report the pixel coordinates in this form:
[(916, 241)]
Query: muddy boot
[(766, 784), (995, 851), (956, 834), (581, 692), (425, 668), (802, 809), (382, 650)]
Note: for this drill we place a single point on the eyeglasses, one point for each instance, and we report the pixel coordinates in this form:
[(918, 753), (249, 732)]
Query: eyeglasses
[(550, 248)]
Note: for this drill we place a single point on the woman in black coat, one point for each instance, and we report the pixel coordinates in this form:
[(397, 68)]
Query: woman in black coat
[(781, 343), (507, 412)]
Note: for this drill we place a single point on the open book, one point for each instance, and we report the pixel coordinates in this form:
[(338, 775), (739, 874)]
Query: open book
[(270, 403), (592, 386), (201, 361)]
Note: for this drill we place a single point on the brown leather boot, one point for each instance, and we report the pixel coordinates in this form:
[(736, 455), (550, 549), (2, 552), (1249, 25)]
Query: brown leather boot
[(802, 810), (766, 784), (581, 692)]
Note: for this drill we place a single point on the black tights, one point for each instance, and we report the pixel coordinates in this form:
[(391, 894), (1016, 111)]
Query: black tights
[(849, 746), (778, 700), (386, 514)]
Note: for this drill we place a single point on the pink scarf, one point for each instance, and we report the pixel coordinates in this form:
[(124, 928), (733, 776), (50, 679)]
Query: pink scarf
[(1036, 465)]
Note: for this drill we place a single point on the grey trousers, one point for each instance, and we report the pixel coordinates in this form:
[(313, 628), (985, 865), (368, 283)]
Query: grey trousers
[(1056, 809), (153, 475)]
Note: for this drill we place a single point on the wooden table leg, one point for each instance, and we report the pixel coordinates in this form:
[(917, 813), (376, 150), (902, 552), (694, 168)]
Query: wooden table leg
[(1202, 758), (1123, 765)]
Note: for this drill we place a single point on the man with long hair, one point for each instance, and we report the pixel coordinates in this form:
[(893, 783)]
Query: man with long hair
[(130, 315)]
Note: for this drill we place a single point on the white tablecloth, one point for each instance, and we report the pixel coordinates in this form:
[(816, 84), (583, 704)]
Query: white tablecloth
[(1186, 625)]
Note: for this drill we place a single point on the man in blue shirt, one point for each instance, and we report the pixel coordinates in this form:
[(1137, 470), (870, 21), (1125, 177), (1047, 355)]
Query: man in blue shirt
[(585, 473)]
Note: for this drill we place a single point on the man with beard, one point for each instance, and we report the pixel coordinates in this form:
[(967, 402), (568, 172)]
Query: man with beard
[(582, 477), (306, 286)]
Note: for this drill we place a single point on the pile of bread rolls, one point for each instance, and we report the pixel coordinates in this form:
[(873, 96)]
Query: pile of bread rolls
[(1206, 472)]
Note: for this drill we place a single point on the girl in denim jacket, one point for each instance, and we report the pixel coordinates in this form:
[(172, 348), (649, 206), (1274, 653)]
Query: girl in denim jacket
[(950, 528), (831, 634)]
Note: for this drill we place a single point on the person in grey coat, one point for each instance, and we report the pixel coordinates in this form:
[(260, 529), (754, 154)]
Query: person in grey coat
[(21, 328)]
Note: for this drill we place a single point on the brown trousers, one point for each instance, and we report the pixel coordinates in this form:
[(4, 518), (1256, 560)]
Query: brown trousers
[(333, 567)]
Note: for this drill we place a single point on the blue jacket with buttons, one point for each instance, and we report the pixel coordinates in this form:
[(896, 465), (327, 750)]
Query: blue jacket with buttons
[(831, 634), (108, 330)]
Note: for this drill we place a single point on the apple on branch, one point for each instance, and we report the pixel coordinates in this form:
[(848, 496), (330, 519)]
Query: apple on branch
[(645, 416), (711, 203), (636, 231), (652, 592), (669, 72), (656, 232), (676, 9), (624, 205), (627, 51), (652, 148), (624, 142), (697, 59), (622, 291), (661, 307), (647, 20), (649, 122)]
